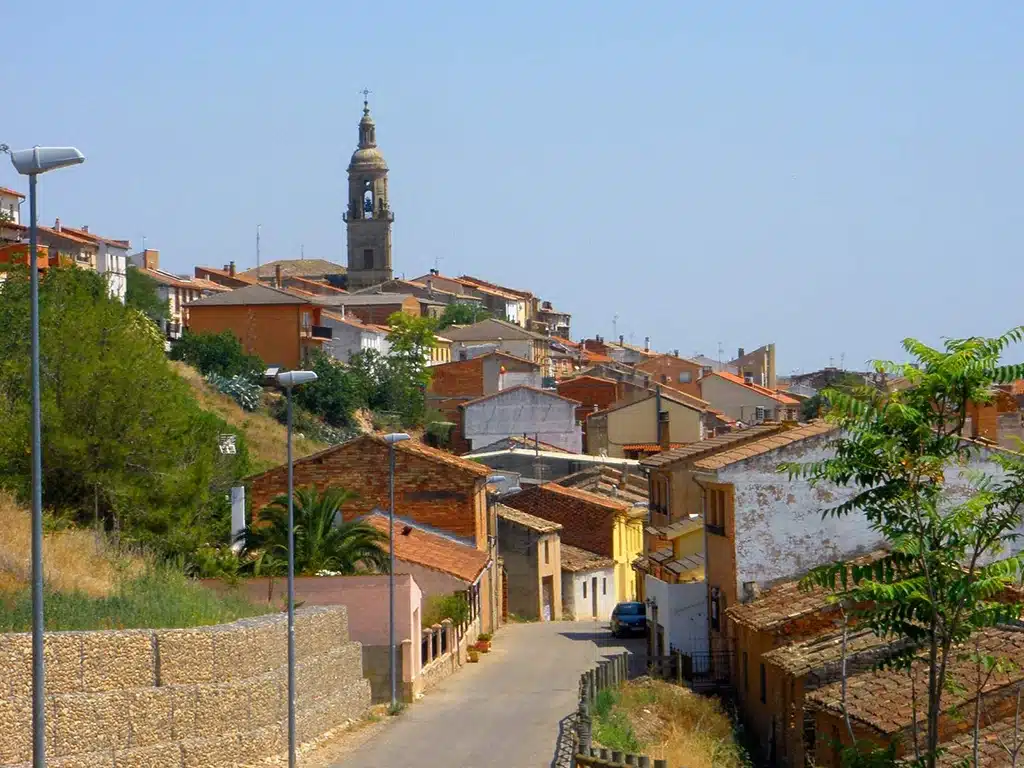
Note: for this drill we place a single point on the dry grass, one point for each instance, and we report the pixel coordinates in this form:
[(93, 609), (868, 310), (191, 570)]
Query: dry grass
[(265, 436), (73, 559), (673, 723)]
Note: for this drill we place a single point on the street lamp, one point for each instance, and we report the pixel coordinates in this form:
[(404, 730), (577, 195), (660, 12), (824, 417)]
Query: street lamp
[(289, 380), (391, 439), (31, 163), (492, 542)]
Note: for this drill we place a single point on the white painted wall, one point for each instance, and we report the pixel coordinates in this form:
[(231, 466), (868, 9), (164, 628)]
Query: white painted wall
[(11, 205), (519, 411), (112, 263), (682, 611), (582, 608), (780, 531)]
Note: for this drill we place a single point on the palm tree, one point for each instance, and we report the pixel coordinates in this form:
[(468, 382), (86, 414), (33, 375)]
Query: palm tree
[(323, 541)]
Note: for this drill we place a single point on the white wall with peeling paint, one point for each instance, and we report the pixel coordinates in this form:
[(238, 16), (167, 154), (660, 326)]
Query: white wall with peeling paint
[(780, 531)]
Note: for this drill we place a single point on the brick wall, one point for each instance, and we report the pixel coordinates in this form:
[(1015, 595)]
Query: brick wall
[(208, 697), (378, 314), (427, 490), (585, 524), (666, 369), (464, 378), (270, 331)]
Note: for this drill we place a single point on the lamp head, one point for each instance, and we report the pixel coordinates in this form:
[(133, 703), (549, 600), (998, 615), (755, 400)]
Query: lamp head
[(395, 437), (290, 379), (32, 162)]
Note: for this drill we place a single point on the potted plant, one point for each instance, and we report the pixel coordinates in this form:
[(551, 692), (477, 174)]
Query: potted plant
[(483, 642), (473, 655)]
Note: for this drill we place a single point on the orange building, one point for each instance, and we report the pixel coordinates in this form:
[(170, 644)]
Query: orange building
[(18, 254), (279, 327)]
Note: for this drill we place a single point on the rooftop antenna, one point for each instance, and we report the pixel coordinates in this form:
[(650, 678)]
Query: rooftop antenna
[(842, 361), (615, 325), (437, 263), (721, 349), (302, 250), (258, 251)]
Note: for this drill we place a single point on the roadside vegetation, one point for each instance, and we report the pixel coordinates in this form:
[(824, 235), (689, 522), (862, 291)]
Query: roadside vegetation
[(666, 721)]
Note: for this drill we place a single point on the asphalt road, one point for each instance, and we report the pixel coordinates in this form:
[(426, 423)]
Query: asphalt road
[(503, 712)]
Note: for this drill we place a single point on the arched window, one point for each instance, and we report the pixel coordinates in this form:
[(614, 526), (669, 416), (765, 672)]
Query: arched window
[(368, 201)]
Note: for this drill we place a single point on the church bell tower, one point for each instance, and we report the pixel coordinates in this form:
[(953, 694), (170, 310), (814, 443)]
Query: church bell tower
[(368, 218)]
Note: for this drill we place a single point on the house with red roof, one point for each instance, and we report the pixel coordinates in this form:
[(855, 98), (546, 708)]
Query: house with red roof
[(739, 398)]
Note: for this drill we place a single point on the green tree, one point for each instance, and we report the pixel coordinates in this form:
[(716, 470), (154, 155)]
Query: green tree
[(461, 313), (142, 293), (221, 353), (323, 541), (842, 381), (337, 392), (123, 437), (948, 563)]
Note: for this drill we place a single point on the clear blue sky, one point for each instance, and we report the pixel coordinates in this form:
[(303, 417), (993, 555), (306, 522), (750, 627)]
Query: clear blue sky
[(829, 176)]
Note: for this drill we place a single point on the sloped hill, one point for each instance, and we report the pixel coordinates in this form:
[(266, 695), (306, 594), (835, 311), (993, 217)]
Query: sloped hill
[(265, 436)]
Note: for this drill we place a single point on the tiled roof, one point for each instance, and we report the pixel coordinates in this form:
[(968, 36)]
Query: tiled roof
[(992, 743), (525, 519), (676, 529), (821, 652), (496, 352), (576, 559), (250, 295), (650, 447), (8, 191), (766, 445), (433, 454), (67, 235), (566, 342), (607, 481), (476, 281), (593, 498), (779, 398), (239, 276), (414, 544), (586, 377), (785, 602), (674, 396), (693, 451), (192, 284), (881, 698), (490, 329), (316, 284), (97, 239), (364, 299), (296, 268), (353, 321), (1017, 388), (503, 392)]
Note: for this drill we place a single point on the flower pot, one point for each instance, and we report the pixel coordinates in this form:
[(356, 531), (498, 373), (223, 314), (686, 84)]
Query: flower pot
[(473, 657), (484, 646)]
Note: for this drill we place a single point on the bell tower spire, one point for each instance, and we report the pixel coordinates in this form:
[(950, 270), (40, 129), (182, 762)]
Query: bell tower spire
[(369, 217)]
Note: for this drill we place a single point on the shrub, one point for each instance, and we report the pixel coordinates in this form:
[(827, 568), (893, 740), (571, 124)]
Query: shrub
[(441, 607), (241, 389), (219, 353)]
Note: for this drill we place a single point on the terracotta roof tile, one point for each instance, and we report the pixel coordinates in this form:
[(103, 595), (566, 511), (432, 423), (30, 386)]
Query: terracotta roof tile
[(295, 268), (881, 699), (693, 451), (414, 544), (576, 559), (822, 652), (593, 498), (765, 445), (652, 447), (502, 392), (784, 399), (8, 191), (525, 519)]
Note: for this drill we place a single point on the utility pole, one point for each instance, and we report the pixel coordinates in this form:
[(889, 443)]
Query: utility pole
[(258, 226)]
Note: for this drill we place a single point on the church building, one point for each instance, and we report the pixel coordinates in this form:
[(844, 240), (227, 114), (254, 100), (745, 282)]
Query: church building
[(369, 217)]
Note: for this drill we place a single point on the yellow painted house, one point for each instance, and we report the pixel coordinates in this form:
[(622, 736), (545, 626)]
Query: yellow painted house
[(592, 522)]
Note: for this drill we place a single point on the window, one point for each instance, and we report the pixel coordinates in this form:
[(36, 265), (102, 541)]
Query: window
[(584, 590), (746, 674), (547, 555), (759, 413), (368, 258), (764, 685), (715, 597), (684, 377), (604, 588)]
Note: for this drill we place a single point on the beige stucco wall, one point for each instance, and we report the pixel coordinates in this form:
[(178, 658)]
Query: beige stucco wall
[(638, 423), (738, 402), (207, 697)]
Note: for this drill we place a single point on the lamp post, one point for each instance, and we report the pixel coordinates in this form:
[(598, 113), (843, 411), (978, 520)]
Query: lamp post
[(31, 163), (492, 545), (391, 439), (290, 380)]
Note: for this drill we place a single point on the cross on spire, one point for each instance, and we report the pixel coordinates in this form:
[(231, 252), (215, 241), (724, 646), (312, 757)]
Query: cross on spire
[(366, 100)]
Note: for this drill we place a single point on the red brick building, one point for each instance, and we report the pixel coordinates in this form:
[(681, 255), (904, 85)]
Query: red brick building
[(432, 487), (679, 373)]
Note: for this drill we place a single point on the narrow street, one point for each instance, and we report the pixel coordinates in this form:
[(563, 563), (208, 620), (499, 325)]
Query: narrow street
[(503, 712)]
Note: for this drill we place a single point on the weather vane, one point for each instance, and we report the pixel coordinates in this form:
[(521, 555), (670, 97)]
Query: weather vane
[(366, 96)]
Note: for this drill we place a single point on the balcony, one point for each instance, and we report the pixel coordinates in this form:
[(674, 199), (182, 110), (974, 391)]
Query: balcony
[(317, 332)]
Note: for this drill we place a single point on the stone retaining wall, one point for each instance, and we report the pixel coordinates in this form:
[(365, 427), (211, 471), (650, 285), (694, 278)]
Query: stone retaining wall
[(207, 697)]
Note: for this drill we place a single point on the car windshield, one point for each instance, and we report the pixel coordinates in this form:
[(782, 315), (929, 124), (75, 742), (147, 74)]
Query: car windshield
[(630, 609)]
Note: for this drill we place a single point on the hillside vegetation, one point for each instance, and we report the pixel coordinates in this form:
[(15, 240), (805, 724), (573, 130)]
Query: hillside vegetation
[(265, 437)]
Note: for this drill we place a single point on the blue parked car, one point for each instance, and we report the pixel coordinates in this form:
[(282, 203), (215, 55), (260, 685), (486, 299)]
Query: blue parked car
[(629, 618)]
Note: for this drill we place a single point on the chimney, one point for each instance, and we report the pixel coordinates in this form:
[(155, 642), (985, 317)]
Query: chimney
[(151, 258), (748, 378), (85, 227), (647, 343), (738, 356), (277, 275), (622, 340), (675, 353), (56, 225), (664, 438), (434, 272), (231, 269)]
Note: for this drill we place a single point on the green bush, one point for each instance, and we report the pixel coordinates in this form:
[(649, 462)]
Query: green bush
[(307, 424), (441, 607), (219, 353), (239, 388), (612, 728), (161, 597)]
